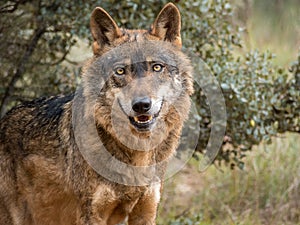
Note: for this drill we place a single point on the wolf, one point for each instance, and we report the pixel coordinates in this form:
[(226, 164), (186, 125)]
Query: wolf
[(77, 159)]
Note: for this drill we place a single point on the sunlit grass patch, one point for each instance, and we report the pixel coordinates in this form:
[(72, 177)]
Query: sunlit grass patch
[(266, 192)]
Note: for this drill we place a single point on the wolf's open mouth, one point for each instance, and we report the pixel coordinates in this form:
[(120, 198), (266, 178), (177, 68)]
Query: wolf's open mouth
[(143, 122), (143, 119)]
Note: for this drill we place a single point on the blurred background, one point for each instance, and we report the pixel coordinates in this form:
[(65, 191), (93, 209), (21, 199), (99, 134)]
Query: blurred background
[(267, 190), (252, 48)]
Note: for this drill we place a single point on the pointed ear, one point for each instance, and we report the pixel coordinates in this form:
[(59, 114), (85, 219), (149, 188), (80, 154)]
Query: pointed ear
[(104, 29), (167, 25)]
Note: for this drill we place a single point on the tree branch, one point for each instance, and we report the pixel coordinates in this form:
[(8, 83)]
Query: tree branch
[(20, 68), (9, 8)]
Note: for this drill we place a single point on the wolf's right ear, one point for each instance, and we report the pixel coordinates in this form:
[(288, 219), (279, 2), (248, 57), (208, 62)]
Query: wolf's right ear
[(167, 25), (104, 29)]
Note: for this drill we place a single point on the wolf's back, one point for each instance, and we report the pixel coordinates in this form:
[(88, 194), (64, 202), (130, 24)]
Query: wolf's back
[(36, 120)]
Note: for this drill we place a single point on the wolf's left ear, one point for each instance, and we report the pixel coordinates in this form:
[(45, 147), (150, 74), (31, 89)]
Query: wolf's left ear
[(167, 25), (104, 29)]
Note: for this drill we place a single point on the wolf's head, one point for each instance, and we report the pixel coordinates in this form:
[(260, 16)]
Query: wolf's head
[(139, 80)]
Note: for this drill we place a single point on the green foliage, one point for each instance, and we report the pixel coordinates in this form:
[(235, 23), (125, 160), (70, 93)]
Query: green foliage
[(37, 38), (262, 99)]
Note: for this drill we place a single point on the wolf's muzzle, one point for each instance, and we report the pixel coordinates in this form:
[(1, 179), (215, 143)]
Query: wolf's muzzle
[(141, 105), (142, 112), (144, 117), (142, 120)]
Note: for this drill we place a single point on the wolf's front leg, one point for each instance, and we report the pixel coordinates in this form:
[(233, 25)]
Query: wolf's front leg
[(144, 212), (100, 208), (97, 214)]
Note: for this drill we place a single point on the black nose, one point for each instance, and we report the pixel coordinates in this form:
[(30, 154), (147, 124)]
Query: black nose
[(141, 104)]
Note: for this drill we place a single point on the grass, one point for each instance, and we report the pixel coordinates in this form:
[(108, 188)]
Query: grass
[(266, 192)]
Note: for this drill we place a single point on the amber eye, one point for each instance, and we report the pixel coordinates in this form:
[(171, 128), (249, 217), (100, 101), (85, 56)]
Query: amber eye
[(157, 67), (120, 71)]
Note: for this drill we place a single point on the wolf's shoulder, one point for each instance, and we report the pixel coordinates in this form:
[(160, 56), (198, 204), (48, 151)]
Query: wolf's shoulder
[(48, 106), (42, 111)]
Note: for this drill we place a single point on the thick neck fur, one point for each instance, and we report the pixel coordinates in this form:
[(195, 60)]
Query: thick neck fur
[(140, 158), (160, 153)]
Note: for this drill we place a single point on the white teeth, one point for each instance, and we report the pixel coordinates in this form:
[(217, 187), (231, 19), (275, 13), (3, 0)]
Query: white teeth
[(136, 119)]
